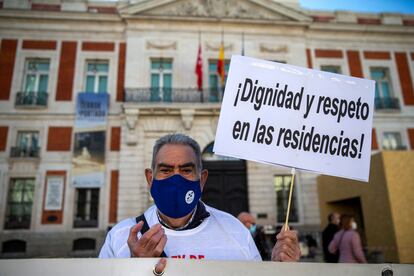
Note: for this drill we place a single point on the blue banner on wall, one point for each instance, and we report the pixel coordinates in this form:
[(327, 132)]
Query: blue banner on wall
[(88, 162)]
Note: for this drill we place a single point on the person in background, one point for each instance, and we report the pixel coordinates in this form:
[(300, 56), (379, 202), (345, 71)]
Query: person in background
[(327, 236), (256, 231), (348, 242)]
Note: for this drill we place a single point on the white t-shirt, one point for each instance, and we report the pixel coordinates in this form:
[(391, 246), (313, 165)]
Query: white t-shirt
[(219, 237)]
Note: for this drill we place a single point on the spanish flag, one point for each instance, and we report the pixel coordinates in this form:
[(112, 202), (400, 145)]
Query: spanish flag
[(220, 65)]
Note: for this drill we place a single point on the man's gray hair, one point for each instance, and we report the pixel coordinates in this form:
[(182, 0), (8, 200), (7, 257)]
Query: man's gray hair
[(177, 139)]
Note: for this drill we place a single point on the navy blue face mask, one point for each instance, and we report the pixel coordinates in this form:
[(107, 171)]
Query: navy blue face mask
[(175, 196)]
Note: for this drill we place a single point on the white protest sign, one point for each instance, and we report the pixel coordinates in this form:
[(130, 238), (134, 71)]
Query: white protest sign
[(297, 117)]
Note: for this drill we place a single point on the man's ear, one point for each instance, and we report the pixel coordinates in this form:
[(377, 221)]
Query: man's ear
[(148, 176), (203, 178)]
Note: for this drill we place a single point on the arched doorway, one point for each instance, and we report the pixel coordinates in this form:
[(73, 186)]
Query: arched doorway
[(226, 187)]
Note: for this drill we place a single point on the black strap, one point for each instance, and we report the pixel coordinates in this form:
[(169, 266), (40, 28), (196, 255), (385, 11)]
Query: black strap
[(145, 228)]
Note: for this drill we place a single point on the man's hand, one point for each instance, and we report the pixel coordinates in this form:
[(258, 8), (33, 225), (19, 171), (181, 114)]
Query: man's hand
[(287, 247), (151, 244)]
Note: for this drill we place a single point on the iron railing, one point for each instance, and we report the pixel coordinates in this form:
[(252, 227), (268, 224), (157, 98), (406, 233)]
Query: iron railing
[(173, 95), (389, 103), (32, 152), (31, 99)]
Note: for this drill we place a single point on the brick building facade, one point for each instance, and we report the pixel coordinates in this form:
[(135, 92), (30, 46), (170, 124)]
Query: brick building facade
[(143, 54)]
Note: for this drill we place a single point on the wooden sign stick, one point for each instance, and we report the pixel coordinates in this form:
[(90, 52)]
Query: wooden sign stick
[(286, 227)]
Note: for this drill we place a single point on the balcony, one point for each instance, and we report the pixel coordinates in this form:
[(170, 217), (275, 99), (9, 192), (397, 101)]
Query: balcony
[(17, 222), (18, 152), (31, 99), (172, 95), (386, 103)]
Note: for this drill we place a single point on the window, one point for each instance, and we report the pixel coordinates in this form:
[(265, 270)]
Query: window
[(214, 80), (87, 202), (35, 84), (84, 244), (282, 186), (19, 203), (36, 76), (27, 144), (97, 77), (331, 68), (13, 246), (384, 98), (161, 80), (392, 141)]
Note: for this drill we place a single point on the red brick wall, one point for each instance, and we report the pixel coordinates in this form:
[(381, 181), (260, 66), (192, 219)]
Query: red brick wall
[(113, 199), (4, 130), (7, 58), (115, 138), (376, 55), (55, 216), (98, 46), (121, 73), (411, 137), (404, 75), (374, 144), (59, 139), (39, 44), (354, 63), (45, 7), (309, 58), (326, 53), (66, 71)]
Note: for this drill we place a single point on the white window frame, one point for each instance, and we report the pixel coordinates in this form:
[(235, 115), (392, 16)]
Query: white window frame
[(37, 74), (387, 78), (161, 72), (96, 75)]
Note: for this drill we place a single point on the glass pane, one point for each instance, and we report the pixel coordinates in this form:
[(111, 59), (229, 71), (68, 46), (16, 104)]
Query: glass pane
[(377, 74), (330, 68), (102, 67), (30, 83), (155, 64), (43, 83), (167, 65), (167, 81), (91, 67), (43, 66), (377, 93), (90, 83), (212, 66), (213, 81), (103, 83), (385, 89), (31, 66), (155, 80)]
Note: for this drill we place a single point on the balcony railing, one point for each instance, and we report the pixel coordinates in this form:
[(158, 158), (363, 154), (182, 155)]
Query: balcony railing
[(17, 222), (31, 99), (18, 152), (384, 103), (173, 95)]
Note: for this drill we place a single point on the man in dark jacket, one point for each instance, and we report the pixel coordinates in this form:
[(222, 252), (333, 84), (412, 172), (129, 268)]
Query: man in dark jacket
[(327, 236)]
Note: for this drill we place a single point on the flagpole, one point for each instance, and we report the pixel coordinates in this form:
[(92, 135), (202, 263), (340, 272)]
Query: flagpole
[(199, 46), (242, 51)]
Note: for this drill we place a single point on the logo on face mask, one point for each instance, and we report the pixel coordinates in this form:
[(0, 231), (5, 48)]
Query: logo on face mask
[(189, 197), (175, 196)]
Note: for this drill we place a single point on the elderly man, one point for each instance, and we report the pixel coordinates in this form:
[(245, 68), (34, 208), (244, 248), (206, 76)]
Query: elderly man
[(179, 225)]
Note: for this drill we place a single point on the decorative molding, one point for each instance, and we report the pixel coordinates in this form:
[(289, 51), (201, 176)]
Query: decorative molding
[(158, 45), (215, 47), (131, 116), (187, 117), (266, 48)]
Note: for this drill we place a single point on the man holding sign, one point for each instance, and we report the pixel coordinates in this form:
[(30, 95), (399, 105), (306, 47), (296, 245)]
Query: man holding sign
[(180, 225)]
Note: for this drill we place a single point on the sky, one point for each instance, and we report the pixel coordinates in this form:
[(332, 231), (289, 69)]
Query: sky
[(370, 6)]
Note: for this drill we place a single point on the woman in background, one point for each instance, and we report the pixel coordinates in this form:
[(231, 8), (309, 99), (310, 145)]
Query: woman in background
[(348, 242)]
